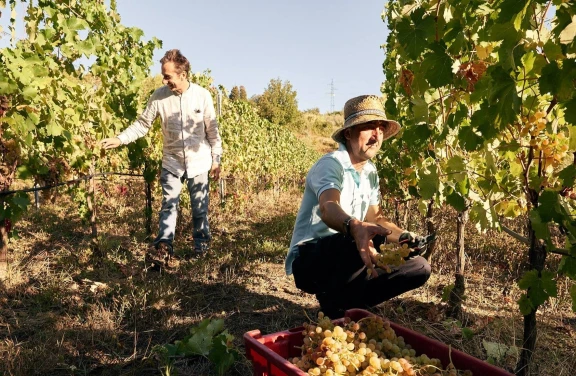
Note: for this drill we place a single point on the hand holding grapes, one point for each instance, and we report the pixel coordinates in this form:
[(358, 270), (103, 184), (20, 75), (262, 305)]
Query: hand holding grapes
[(409, 245), (363, 232)]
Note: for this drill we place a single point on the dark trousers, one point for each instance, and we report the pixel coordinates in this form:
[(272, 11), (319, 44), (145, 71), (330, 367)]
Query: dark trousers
[(332, 269)]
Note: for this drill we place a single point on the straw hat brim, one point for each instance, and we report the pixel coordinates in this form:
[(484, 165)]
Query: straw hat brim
[(392, 127)]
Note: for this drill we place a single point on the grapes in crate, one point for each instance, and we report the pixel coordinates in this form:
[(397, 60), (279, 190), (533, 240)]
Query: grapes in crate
[(366, 347)]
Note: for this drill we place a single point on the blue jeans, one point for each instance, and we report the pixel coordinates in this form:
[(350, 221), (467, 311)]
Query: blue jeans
[(198, 189)]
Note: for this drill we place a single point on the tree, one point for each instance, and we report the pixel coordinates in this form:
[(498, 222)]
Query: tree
[(278, 103), (234, 94), (243, 95)]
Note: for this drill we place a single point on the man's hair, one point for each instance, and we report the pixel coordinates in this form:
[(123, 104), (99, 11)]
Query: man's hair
[(181, 64)]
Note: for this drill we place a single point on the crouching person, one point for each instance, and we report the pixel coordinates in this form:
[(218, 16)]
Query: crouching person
[(340, 223)]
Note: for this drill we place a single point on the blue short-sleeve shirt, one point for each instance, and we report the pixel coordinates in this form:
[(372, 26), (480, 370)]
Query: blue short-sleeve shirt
[(358, 191)]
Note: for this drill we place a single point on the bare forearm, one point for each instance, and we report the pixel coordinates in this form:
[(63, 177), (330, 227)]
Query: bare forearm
[(333, 215), (396, 231)]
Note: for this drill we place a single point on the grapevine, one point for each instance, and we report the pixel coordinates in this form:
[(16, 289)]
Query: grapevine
[(366, 347)]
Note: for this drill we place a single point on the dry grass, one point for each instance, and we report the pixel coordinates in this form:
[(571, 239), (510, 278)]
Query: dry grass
[(63, 313)]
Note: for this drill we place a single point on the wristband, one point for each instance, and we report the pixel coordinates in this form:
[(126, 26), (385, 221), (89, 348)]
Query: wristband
[(347, 225)]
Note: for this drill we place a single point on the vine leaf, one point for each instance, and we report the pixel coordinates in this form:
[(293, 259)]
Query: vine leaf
[(438, 66), (570, 112), (413, 32), (567, 35), (429, 183), (221, 355), (505, 96), (540, 287), (420, 109), (456, 201), (510, 8), (558, 81), (468, 139), (568, 266)]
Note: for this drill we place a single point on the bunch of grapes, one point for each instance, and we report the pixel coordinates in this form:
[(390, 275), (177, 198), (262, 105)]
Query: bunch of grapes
[(391, 255), (367, 347)]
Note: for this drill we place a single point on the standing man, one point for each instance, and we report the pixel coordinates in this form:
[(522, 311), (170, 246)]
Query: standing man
[(340, 223), (192, 149)]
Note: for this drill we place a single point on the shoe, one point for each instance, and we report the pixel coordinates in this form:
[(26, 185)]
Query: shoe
[(200, 250), (159, 256)]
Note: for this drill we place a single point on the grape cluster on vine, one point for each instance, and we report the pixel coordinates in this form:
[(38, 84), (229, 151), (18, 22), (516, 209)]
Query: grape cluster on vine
[(366, 347)]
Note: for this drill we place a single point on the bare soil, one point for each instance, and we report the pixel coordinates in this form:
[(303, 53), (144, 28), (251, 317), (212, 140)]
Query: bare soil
[(65, 312)]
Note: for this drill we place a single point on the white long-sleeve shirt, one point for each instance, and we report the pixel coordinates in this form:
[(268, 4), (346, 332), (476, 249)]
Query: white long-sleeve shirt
[(189, 128)]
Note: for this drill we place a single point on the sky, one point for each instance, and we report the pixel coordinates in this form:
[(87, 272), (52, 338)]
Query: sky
[(310, 43)]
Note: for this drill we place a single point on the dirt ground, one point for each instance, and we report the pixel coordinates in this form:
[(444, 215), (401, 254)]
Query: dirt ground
[(65, 312)]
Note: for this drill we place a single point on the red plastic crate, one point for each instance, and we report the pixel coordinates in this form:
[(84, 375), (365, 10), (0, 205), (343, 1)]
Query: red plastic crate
[(269, 353)]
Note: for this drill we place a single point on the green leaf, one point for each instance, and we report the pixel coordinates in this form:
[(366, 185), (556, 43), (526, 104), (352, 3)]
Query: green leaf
[(29, 93), (54, 129), (533, 63), (417, 135), (568, 174), (509, 9), (540, 228), (413, 33), (553, 51), (437, 66), (456, 167), (468, 139), (557, 79), (456, 201), (86, 47), (484, 119), (505, 96), (568, 266), (467, 333), (429, 184), (222, 356), (540, 286), (481, 216), (525, 305), (446, 291), (570, 114), (549, 206), (420, 109)]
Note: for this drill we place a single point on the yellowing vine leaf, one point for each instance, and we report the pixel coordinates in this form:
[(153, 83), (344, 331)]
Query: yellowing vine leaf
[(567, 35)]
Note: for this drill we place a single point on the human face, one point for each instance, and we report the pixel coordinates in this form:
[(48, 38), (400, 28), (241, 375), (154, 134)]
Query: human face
[(177, 82), (365, 140)]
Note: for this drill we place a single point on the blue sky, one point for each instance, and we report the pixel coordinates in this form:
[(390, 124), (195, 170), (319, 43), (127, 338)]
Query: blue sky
[(307, 42)]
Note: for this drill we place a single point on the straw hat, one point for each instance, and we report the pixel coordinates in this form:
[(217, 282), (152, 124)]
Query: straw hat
[(363, 109)]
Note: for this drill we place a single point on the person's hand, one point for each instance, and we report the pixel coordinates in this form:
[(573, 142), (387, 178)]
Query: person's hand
[(415, 242), (363, 232), (215, 171), (110, 143)]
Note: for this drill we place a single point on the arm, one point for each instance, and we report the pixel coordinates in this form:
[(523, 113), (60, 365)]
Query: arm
[(334, 216), (375, 215), (136, 130), (212, 135), (416, 242)]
